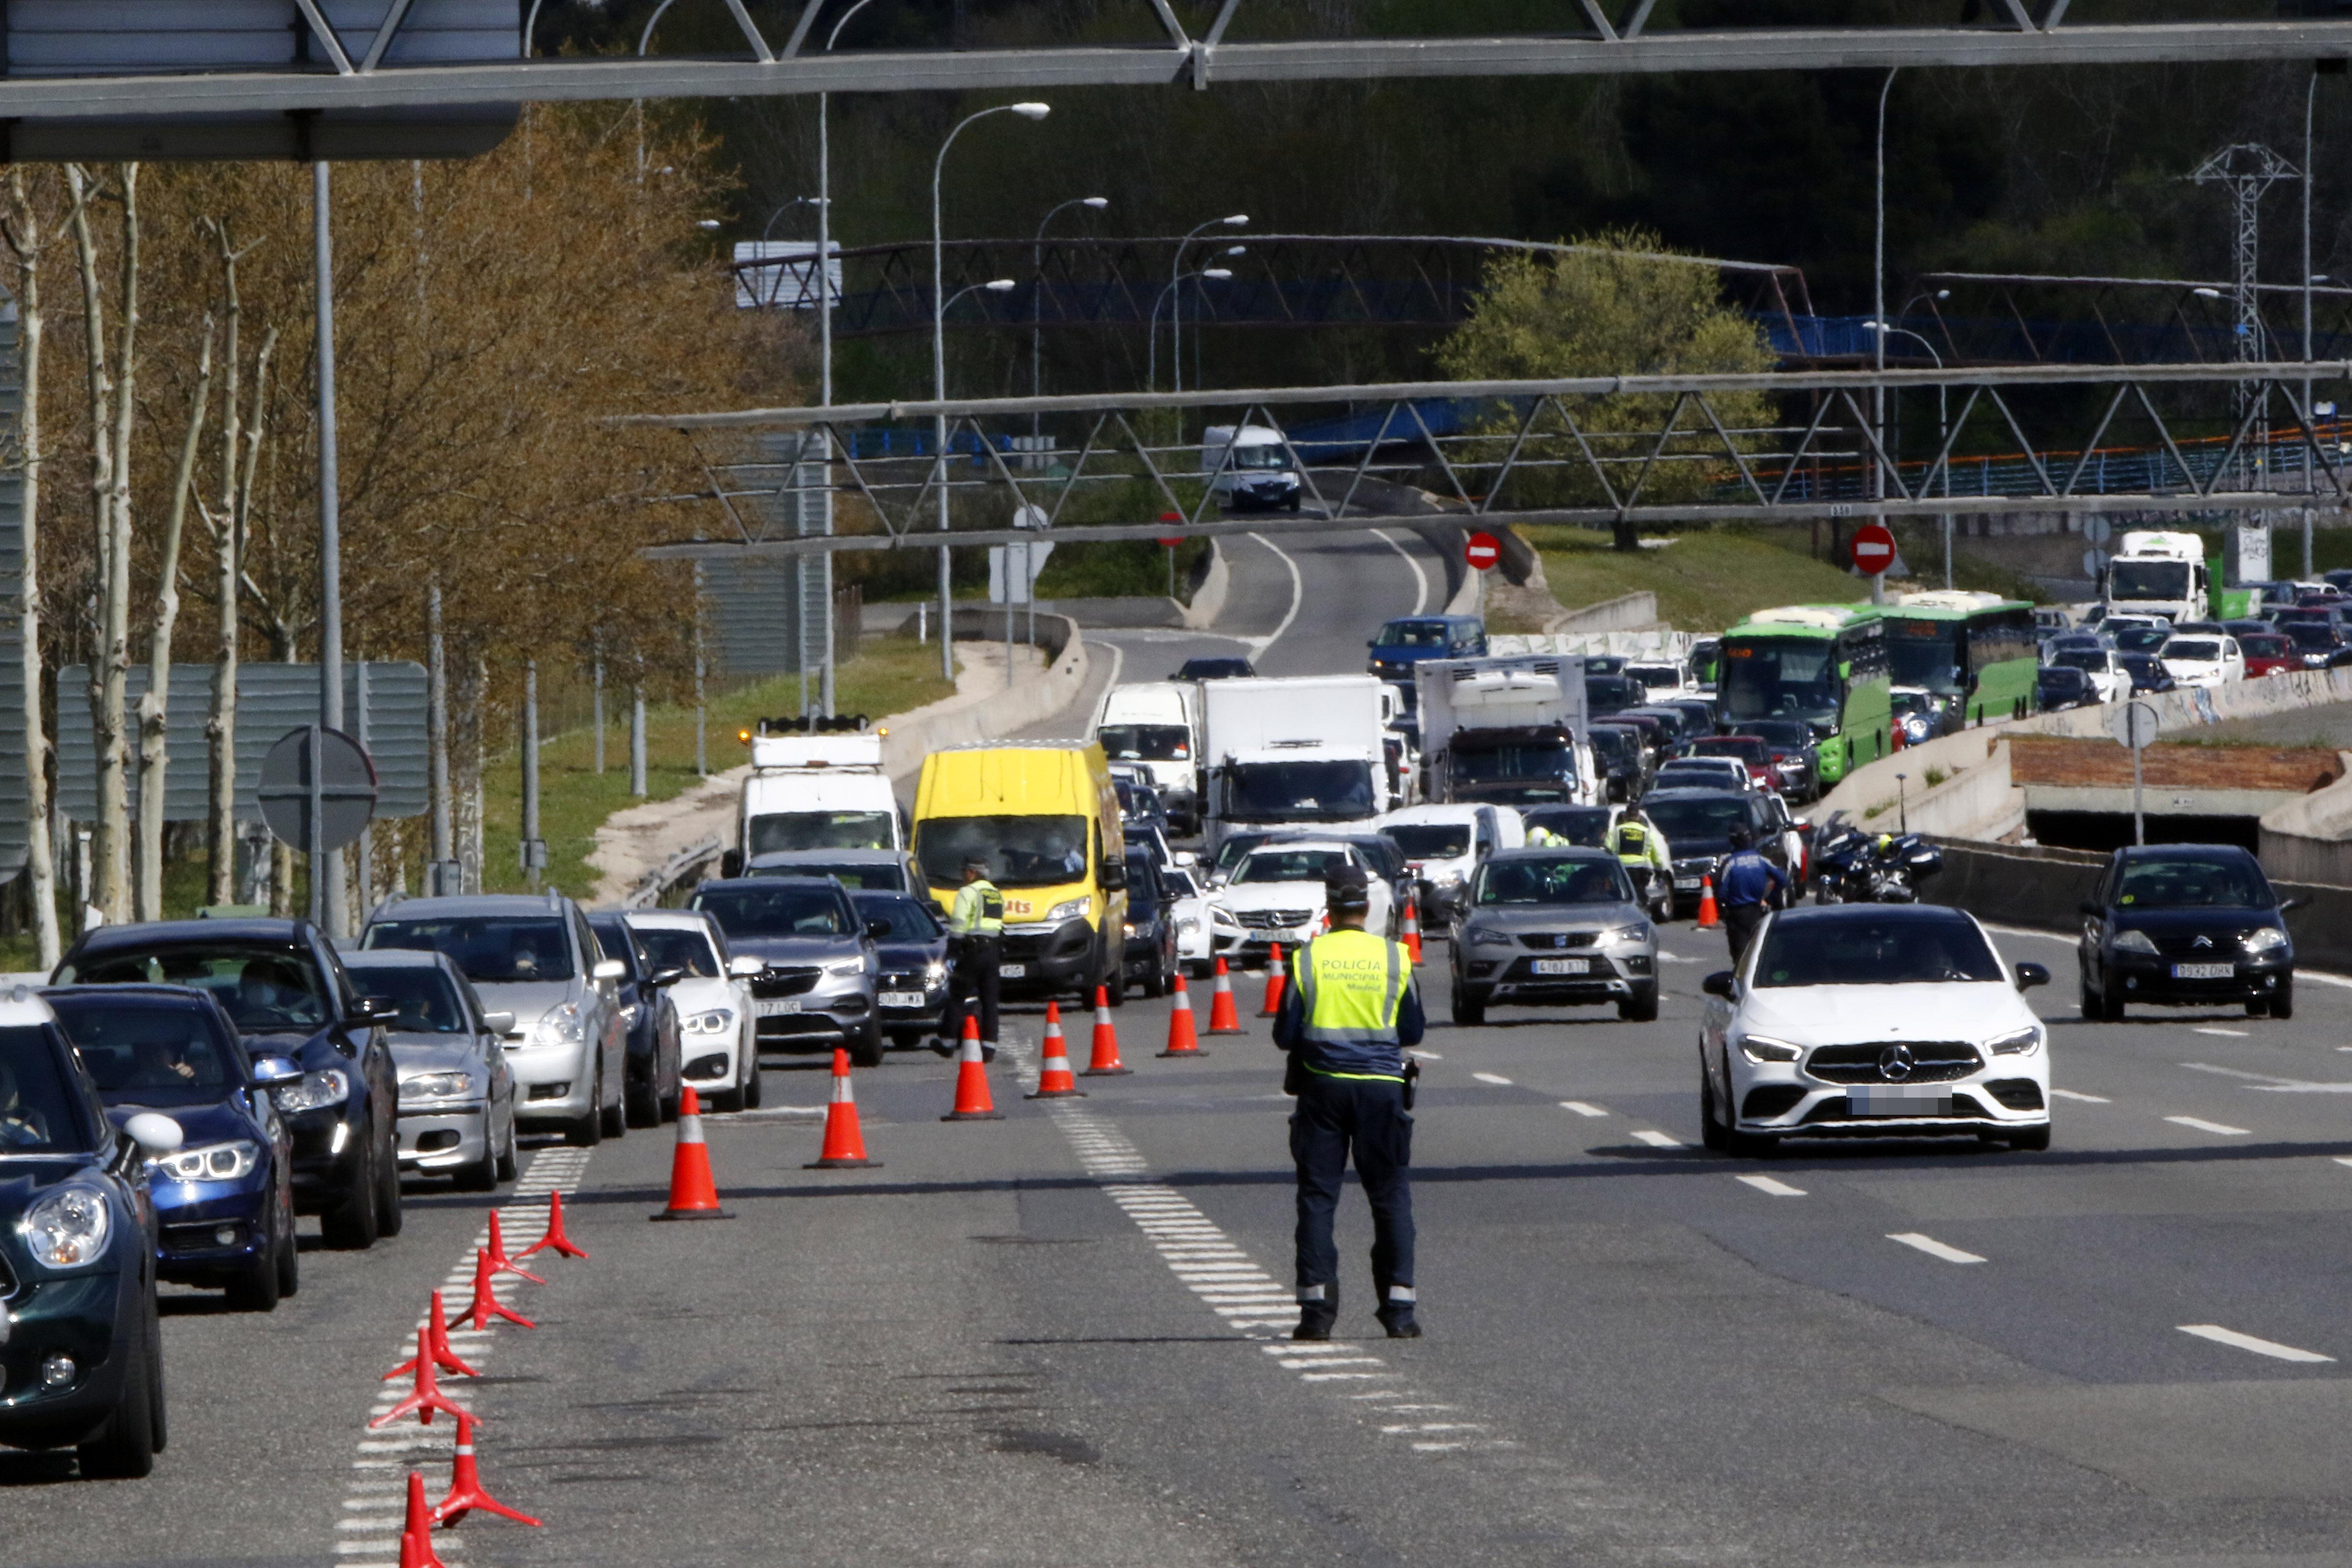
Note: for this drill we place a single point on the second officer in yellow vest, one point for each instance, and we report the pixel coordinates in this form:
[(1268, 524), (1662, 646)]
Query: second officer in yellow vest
[(976, 942), (1350, 1011)]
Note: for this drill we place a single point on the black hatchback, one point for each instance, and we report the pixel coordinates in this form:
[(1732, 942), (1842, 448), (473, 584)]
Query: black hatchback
[(2186, 925)]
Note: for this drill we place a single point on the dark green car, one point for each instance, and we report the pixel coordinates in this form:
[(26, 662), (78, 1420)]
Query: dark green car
[(81, 1353)]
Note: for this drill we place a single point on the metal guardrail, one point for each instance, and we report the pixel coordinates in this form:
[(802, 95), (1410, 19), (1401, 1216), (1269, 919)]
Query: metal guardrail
[(656, 884)]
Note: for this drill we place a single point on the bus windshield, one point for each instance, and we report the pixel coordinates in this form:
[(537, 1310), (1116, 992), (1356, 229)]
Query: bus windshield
[(1926, 653), (1780, 678), (2161, 580)]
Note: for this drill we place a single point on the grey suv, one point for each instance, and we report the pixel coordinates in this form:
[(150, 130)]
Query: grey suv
[(816, 986), (532, 956)]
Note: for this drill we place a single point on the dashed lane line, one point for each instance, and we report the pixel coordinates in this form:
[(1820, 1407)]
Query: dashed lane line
[(2219, 1129), (1494, 1077), (1657, 1140), (1770, 1186), (2078, 1095), (2236, 1341), (2227, 1034), (1581, 1109), (1932, 1247)]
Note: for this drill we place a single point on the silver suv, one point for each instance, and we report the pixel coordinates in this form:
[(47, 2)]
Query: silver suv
[(532, 956)]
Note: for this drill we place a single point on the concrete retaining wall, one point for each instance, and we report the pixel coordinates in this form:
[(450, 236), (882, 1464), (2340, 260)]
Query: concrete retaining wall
[(959, 721), (2309, 840), (1626, 613)]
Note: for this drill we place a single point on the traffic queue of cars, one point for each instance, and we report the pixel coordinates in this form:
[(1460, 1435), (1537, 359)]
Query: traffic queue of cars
[(2113, 655)]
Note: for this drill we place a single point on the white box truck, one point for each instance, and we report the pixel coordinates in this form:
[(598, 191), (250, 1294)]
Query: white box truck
[(2157, 575), (1304, 752), (1506, 732), (824, 790), (1154, 726)]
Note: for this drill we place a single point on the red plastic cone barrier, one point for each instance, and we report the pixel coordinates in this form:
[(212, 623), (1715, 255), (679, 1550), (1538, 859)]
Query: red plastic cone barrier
[(417, 1530), (554, 1240), (426, 1398), (1182, 1041), (465, 1493), (1409, 933), (693, 1194), (436, 1340), (1106, 1062), (486, 1305), (1273, 978), (1223, 1018), (971, 1101), (1707, 918), (500, 1262), (845, 1145), (1055, 1079)]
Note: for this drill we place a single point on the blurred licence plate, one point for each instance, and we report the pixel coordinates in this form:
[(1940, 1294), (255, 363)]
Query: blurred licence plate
[(775, 1006), (902, 999), (2203, 971), (1687, 883), (1562, 966), (1898, 1100), (1012, 971)]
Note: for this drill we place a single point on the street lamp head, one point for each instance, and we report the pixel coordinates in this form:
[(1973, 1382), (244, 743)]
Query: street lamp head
[(1237, 250), (706, 225), (2207, 293), (1033, 110), (1098, 203), (1943, 293), (1000, 285), (1238, 220), (1220, 273)]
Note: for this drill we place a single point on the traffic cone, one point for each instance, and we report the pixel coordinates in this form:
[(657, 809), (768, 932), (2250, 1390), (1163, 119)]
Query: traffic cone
[(1707, 918), (425, 1397), (1055, 1079), (1274, 977), (845, 1145), (692, 1194), (465, 1493), (1182, 1039), (1411, 934), (417, 1530), (971, 1101), (500, 1262), (486, 1305), (1106, 1062), (436, 1339), (1223, 1019), (554, 1240)]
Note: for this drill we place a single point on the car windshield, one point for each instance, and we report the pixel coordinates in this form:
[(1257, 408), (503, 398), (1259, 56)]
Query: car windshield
[(757, 907), (1215, 669), (2081, 659), (911, 920), (2263, 644), (1290, 864), (1495, 764), (1613, 744), (428, 1002), (1611, 693), (2061, 679), (1582, 825), (1744, 749), (489, 950), (2192, 882), (772, 833), (2148, 579), (40, 1111), (2199, 648), (147, 1052), (1789, 733), (1289, 792), (613, 939), (1701, 819), (1541, 881), (266, 989), (1412, 634), (1780, 676), (1876, 950), (1429, 840), (1019, 851), (2310, 634), (870, 877), (675, 947), (1656, 676), (2141, 639), (1180, 884), (1145, 742)]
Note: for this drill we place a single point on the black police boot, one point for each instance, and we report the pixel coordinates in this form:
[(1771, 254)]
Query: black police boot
[(988, 1050), (943, 1045), (1316, 1318), (1396, 1317)]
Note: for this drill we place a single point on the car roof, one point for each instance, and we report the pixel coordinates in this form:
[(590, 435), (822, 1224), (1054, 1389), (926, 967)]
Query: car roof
[(1681, 793), (1553, 852), (151, 933), (2184, 851), (668, 919), (548, 903), (1912, 914), (143, 992), (775, 858), (396, 958), (21, 1005)]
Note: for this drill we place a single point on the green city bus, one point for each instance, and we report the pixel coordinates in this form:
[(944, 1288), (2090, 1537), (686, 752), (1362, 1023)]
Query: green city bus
[(1825, 663), (1971, 657)]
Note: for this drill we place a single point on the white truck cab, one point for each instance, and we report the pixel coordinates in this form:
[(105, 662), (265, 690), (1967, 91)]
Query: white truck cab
[(2158, 574), (815, 790), (1154, 727)]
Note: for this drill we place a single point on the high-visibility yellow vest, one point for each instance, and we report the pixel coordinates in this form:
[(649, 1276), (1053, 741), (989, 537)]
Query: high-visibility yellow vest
[(979, 910), (1351, 984)]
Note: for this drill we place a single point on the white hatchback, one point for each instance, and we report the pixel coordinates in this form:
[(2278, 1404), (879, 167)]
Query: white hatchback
[(2200, 658), (1872, 1020), (717, 1033)]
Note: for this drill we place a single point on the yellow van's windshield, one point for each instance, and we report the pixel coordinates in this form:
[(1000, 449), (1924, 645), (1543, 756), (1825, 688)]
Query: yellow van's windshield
[(1019, 851)]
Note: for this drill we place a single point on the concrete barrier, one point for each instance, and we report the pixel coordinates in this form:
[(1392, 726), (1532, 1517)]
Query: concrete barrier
[(1627, 612), (961, 720), (2309, 840)]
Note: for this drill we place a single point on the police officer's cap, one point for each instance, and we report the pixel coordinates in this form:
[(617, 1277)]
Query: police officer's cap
[(1346, 887), (976, 864)]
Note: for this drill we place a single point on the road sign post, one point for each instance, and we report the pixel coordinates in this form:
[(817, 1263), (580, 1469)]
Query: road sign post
[(2134, 725), (318, 791)]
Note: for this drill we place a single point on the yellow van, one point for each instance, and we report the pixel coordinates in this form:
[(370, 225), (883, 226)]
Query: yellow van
[(1044, 817)]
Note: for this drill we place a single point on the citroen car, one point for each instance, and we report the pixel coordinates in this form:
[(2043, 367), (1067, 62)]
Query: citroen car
[(817, 984), (2186, 925), (456, 1091), (1553, 927), (1871, 1020)]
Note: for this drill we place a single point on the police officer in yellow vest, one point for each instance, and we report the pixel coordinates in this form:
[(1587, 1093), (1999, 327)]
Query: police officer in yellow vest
[(1349, 1010), (976, 942)]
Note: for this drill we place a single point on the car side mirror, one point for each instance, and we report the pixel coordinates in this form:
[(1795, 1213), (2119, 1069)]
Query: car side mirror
[(268, 1072), (661, 977), (2030, 976), (155, 1136), (498, 1022), (1113, 877), (878, 929), (1186, 858), (374, 1010), (743, 967), (2088, 908), (731, 863), (1722, 983), (608, 969), (2293, 903)]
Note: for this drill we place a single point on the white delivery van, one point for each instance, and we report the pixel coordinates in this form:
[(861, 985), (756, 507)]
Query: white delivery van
[(1155, 727), (824, 790), (1444, 845), (1304, 752), (1510, 730), (1249, 467)]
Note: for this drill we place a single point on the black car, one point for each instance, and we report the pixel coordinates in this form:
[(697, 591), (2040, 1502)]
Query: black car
[(225, 1198), (1139, 805), (911, 994), (2186, 925), (1221, 669), (1150, 927), (2057, 686), (652, 1083), (859, 870), (2146, 672), (1699, 711), (1620, 760), (1796, 755), (1607, 694), (1698, 825), (2317, 644), (283, 986), (82, 1362)]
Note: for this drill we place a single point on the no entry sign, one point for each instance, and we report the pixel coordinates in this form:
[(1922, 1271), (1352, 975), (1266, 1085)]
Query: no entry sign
[(1482, 550), (1874, 549), (1170, 540)]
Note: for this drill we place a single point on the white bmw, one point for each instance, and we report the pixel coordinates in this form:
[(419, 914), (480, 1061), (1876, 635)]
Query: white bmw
[(1872, 1020)]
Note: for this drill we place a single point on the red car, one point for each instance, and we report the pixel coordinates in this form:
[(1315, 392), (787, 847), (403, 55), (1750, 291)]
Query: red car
[(2269, 653), (1753, 751)]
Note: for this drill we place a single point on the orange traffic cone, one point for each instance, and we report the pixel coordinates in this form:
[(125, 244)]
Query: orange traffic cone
[(845, 1145), (425, 1397), (1106, 1062), (971, 1101), (1182, 1039), (1410, 934), (1274, 977), (1707, 918), (436, 1340), (465, 1493), (417, 1530), (485, 1304), (554, 1240), (1223, 1019), (692, 1192), (1055, 1079), (500, 1262)]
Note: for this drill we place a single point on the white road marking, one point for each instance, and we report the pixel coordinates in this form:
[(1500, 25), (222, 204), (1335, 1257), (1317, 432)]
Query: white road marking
[(1666, 957), (1491, 1078), (2344, 1159), (1934, 1248), (2338, 980), (1419, 578), (1777, 1189), (2218, 1128), (1581, 1109), (2231, 1034), (1257, 646), (1421, 1055), (2231, 1337), (2078, 1095), (1657, 1140)]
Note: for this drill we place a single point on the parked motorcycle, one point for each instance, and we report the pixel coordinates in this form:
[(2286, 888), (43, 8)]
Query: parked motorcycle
[(1853, 866)]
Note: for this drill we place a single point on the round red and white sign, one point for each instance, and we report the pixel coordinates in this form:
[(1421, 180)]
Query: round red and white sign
[(1873, 550), (1482, 550)]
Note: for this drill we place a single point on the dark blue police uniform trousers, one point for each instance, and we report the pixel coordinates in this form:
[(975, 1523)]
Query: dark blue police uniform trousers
[(1334, 1118)]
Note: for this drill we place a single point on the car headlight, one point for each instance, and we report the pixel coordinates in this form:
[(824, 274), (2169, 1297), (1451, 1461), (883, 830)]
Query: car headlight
[(315, 1092), (562, 1025), (1765, 1048), (1188, 925), (2017, 1042), (437, 1086), (1485, 936), (1071, 909), (1126, 928), (2265, 939), (67, 1229), (213, 1163), (628, 1012), (846, 967), (2134, 942), (936, 972), (717, 1021), (1625, 936), (1223, 916)]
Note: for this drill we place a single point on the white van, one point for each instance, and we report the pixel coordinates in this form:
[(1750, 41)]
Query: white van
[(821, 790), (1154, 727), (1445, 844), (1258, 477)]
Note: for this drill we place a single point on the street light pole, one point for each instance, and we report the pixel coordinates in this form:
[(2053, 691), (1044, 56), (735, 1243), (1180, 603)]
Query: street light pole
[(1878, 314), (939, 371), (1037, 301), (1880, 328), (1176, 308), (825, 331), (1151, 328), (327, 906)]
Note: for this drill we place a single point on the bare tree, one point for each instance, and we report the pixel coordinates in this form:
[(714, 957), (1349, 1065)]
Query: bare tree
[(227, 526), (154, 705), (26, 246)]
